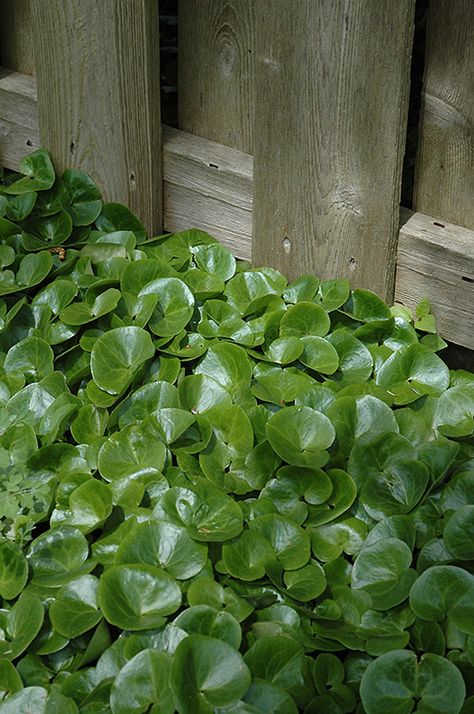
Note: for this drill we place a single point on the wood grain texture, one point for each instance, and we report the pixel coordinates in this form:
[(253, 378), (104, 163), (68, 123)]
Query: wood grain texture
[(332, 81), (16, 36), (208, 186), (445, 163), (436, 260), (216, 52), (19, 134), (99, 96)]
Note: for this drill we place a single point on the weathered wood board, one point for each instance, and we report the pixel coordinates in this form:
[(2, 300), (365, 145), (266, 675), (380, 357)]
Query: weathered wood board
[(19, 132), (436, 260), (445, 160), (105, 117), (208, 186), (216, 87), (332, 82)]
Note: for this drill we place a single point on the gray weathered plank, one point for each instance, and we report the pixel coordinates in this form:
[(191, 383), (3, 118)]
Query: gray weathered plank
[(97, 66), (216, 70), (436, 260), (207, 186), (332, 82), (445, 161), (16, 36), (19, 134)]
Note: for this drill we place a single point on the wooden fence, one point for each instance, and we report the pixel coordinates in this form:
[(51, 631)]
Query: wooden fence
[(292, 118)]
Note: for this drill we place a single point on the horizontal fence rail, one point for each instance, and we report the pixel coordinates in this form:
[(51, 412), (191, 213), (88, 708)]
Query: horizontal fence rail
[(210, 186)]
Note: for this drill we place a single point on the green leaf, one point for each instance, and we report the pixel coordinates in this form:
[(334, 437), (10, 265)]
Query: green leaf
[(279, 660), (31, 356), (57, 556), (80, 313), (343, 494), (319, 354), (207, 673), (133, 452), (20, 207), (302, 289), (13, 570), (445, 591), (49, 231), (413, 372), (454, 413), (383, 571), (115, 217), (459, 533), (38, 174), (164, 544), (138, 596), (303, 319), (305, 583), (268, 698), (23, 622), (84, 201), (215, 259), (355, 360), (394, 681), (205, 620), (251, 291), (300, 435), (117, 355), (207, 513), (143, 681), (75, 608), (247, 556), (290, 543), (10, 680), (228, 365), (173, 305)]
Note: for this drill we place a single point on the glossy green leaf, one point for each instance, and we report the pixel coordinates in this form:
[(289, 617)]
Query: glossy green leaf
[(300, 435), (115, 217), (117, 355), (207, 513), (13, 570), (38, 174), (84, 202), (22, 624), (163, 544), (75, 608), (394, 681), (459, 533), (57, 556), (413, 372), (143, 681), (173, 305), (132, 452), (445, 591), (207, 673), (137, 596), (205, 620)]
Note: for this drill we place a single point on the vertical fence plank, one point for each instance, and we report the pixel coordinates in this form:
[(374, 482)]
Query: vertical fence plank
[(216, 70), (332, 82), (445, 165), (16, 36), (99, 95)]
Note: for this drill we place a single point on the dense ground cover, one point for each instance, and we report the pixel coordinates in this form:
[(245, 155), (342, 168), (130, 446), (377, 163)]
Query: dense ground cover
[(220, 492)]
